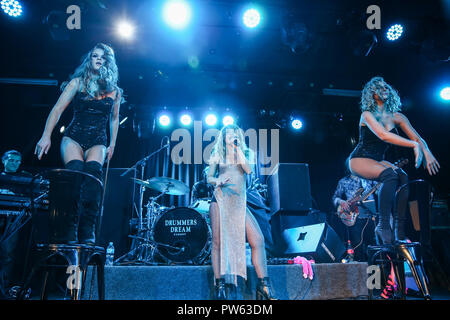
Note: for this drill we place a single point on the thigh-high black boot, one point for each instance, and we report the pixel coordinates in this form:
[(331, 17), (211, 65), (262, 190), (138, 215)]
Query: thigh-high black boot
[(72, 217), (386, 198), (90, 198), (401, 206)]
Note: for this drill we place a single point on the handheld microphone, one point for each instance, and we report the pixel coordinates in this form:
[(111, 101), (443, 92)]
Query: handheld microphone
[(236, 142)]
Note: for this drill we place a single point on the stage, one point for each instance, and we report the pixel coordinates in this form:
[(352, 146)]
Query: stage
[(331, 281)]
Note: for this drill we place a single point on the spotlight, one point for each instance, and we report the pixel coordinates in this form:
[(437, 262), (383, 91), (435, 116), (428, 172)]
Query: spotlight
[(251, 18), (296, 124), (394, 32), (177, 14), (227, 120), (125, 30), (11, 7), (186, 119), (445, 93), (211, 119), (164, 120)]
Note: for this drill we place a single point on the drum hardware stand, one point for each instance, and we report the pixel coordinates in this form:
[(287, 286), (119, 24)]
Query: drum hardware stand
[(141, 163), (146, 248)]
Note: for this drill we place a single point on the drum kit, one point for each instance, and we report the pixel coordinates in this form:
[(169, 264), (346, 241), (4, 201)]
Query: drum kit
[(169, 235)]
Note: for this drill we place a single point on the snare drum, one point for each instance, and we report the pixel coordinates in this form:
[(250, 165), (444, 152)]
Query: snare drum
[(182, 235)]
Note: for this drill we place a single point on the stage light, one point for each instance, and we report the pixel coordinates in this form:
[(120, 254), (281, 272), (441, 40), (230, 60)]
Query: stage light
[(164, 120), (125, 30), (177, 14), (11, 7), (211, 119), (394, 32), (445, 94), (227, 120), (296, 124), (251, 18), (186, 119)]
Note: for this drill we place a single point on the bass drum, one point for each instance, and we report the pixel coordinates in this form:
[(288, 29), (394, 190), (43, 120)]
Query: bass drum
[(182, 235)]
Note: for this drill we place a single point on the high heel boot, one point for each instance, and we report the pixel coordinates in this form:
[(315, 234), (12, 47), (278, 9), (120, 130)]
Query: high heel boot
[(72, 217), (90, 199), (401, 206), (264, 290), (386, 197), (219, 289)]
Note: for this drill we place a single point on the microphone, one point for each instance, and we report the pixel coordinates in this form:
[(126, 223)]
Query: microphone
[(236, 142)]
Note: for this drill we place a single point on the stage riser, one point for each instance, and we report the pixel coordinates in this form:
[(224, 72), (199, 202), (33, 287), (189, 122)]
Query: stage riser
[(331, 281)]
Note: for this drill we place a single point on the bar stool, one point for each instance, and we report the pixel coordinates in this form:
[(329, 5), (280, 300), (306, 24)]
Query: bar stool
[(397, 254), (56, 254)]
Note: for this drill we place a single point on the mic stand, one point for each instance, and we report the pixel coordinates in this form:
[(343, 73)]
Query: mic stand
[(141, 163)]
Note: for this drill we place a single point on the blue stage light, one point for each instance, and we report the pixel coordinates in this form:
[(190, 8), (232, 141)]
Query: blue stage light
[(251, 18), (164, 120), (211, 119), (11, 7), (445, 94), (296, 124), (177, 14), (186, 119), (125, 30), (394, 32), (227, 120)]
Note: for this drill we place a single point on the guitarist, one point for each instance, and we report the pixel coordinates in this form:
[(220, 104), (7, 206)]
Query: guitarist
[(345, 190)]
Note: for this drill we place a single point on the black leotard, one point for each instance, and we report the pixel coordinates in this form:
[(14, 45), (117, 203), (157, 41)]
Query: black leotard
[(369, 145), (90, 118)]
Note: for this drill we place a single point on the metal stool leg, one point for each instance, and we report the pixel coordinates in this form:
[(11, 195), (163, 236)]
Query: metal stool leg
[(416, 268), (100, 281), (44, 292)]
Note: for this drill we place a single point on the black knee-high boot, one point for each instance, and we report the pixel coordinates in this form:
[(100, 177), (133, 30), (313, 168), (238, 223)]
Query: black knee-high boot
[(386, 198), (70, 236), (400, 206), (90, 199)]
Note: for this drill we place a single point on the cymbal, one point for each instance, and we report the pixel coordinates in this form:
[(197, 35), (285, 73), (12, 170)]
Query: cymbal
[(169, 186)]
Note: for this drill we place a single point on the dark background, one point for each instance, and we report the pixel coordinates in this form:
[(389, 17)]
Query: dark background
[(242, 70)]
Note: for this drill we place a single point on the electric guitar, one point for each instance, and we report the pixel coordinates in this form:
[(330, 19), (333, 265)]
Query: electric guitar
[(348, 217)]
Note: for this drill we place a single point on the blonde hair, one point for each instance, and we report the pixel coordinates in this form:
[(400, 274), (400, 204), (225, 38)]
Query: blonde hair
[(368, 103), (98, 83), (218, 153)]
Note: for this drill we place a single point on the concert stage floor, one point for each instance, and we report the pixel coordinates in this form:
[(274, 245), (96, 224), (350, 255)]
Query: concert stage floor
[(331, 281)]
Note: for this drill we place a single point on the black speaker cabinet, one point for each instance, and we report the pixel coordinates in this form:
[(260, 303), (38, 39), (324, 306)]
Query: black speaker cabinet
[(289, 188), (319, 241)]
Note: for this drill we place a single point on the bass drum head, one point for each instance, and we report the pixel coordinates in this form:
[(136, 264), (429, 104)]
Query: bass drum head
[(182, 235)]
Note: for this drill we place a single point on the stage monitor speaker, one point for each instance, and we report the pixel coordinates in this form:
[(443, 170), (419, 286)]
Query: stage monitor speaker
[(319, 241), (289, 188), (118, 209)]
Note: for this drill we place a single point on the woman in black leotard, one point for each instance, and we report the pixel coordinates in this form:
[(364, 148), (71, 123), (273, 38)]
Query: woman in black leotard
[(380, 105), (95, 97)]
